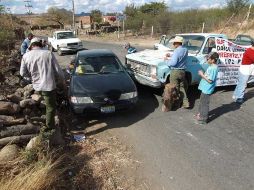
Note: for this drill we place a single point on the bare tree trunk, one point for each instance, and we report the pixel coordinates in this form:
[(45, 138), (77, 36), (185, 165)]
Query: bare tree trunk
[(10, 120), (17, 130), (16, 140)]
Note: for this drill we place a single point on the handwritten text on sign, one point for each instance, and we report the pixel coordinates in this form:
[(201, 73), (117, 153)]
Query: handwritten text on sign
[(230, 60)]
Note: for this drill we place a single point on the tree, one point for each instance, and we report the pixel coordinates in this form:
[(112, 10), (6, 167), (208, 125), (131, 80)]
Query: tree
[(2, 9), (130, 10), (60, 16), (111, 14), (96, 16), (234, 6), (153, 8)]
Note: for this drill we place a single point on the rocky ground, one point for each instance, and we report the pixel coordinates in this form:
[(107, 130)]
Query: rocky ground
[(94, 161)]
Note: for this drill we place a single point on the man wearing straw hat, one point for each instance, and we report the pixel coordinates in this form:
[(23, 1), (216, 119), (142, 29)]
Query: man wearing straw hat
[(177, 63)]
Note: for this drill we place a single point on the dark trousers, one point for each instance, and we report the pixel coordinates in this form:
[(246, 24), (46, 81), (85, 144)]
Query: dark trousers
[(177, 77), (50, 101), (204, 106)]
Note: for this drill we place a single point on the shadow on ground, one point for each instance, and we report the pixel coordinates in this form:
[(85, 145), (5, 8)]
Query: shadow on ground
[(146, 105), (230, 107)]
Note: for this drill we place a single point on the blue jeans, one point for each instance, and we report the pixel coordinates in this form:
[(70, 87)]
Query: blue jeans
[(244, 76)]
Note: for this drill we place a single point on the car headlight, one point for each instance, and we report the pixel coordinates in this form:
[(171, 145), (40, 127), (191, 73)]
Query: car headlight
[(81, 100), (62, 45), (153, 72), (129, 95)]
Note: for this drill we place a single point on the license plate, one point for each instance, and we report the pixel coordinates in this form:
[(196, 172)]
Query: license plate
[(108, 109), (73, 46)]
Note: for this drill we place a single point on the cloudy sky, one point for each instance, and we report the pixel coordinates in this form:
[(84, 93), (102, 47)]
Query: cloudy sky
[(40, 6)]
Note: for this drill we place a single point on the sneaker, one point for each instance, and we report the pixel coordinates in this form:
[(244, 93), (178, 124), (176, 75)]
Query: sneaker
[(200, 122), (186, 105), (239, 100)]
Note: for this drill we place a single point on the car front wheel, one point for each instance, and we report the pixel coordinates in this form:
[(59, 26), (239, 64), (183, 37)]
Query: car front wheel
[(59, 52), (51, 48)]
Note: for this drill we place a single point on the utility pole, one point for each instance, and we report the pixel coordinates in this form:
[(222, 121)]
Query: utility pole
[(29, 6), (73, 15), (248, 14), (8, 10), (203, 27)]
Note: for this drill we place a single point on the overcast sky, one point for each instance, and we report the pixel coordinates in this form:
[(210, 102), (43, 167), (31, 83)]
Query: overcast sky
[(106, 6)]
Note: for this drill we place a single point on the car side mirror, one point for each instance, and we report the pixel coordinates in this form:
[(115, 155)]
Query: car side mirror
[(70, 68)]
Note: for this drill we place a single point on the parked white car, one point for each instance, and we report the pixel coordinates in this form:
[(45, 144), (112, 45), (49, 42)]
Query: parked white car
[(64, 41)]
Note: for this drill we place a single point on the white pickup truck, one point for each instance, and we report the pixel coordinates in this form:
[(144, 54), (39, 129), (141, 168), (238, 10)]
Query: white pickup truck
[(64, 41)]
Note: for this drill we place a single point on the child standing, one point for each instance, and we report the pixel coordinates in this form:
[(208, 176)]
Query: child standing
[(207, 85)]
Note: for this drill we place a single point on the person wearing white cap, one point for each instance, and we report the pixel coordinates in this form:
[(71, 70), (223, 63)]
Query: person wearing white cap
[(45, 72), (177, 63)]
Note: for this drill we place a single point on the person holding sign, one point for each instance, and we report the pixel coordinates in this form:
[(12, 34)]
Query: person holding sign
[(245, 71), (207, 85)]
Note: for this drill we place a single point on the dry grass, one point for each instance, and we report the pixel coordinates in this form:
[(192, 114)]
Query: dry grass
[(109, 163), (39, 176)]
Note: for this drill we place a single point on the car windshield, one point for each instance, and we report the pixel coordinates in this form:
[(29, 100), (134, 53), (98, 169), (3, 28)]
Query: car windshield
[(243, 40), (65, 35), (98, 65), (192, 42)]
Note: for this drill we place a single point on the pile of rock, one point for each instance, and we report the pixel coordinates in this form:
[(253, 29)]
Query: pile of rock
[(9, 73), (21, 116), (21, 108)]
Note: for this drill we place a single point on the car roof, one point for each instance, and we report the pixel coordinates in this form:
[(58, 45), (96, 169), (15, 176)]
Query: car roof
[(61, 31), (202, 34), (95, 53)]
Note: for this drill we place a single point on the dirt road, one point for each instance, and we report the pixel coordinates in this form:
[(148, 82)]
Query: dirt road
[(176, 154)]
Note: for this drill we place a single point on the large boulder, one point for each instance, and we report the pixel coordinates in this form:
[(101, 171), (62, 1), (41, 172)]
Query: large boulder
[(3, 97), (28, 90), (14, 98), (12, 80), (9, 153), (27, 103), (8, 108), (36, 97), (33, 143)]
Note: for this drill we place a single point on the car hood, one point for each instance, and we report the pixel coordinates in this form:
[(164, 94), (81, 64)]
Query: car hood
[(69, 40), (151, 57), (102, 84)]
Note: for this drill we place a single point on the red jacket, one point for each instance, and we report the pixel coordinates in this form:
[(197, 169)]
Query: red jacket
[(248, 57)]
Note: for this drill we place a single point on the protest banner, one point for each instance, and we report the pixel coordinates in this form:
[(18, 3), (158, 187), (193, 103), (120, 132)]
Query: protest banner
[(230, 60)]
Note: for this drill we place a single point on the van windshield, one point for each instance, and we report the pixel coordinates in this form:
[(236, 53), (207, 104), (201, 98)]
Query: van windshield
[(192, 42), (65, 35)]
